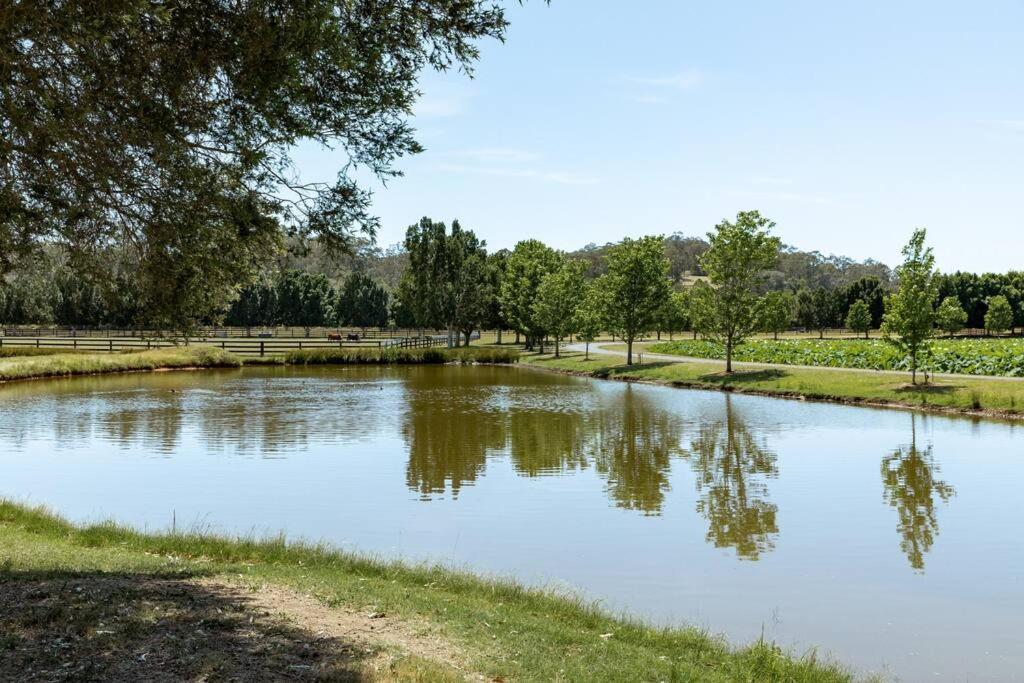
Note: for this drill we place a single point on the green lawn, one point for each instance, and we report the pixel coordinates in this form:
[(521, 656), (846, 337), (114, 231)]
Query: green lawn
[(499, 629), (964, 394)]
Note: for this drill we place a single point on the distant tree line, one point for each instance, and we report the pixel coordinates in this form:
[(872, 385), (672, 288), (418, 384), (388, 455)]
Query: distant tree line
[(441, 278)]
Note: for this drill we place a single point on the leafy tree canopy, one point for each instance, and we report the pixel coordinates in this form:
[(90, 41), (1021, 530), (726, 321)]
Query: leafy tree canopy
[(167, 129)]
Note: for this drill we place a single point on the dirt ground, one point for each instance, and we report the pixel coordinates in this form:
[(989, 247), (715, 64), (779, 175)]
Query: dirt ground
[(123, 627)]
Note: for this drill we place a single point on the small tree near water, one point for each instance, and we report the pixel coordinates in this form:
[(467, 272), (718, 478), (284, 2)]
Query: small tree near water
[(559, 298), (736, 262), (637, 287), (909, 320)]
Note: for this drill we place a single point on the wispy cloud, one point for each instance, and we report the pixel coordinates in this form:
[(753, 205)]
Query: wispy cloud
[(682, 80), (557, 177)]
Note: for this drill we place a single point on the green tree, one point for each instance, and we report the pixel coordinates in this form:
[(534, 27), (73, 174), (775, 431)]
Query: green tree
[(527, 265), (590, 314), (303, 299), (362, 302), (776, 312), (78, 301), (674, 316), (999, 316), (858, 319), (637, 287), (909, 319), (951, 317), (559, 298), (254, 307), (179, 122), (494, 317), (736, 262), (448, 279)]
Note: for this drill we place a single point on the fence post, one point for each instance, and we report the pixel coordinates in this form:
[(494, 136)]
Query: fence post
[(110, 345), (261, 347), (37, 342)]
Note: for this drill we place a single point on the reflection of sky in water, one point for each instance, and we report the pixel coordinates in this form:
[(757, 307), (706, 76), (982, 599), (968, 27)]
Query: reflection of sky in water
[(874, 534)]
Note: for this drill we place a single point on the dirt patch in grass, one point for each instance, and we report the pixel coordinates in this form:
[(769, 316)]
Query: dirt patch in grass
[(131, 627)]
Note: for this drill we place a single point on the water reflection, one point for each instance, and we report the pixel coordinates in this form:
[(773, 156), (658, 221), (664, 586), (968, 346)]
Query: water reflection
[(632, 443), (910, 485), (446, 423), (447, 437), (732, 467)]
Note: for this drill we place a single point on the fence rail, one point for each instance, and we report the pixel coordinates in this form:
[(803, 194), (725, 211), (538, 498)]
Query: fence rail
[(216, 332), (243, 347)]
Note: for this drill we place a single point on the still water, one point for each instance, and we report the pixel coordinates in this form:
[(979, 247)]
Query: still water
[(893, 542)]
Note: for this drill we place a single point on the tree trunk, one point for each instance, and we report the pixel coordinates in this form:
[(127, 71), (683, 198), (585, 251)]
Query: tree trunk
[(517, 337), (776, 335), (629, 350), (821, 333), (469, 336), (659, 335), (450, 344), (499, 336), (541, 344), (586, 356), (695, 335), (913, 367), (557, 354), (728, 356)]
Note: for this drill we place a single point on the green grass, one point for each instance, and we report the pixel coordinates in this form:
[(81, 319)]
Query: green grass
[(960, 394), (504, 631), (68, 364), (13, 351), (998, 357), (388, 356)]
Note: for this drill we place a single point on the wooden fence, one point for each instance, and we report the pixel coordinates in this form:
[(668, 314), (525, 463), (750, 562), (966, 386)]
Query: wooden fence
[(243, 347)]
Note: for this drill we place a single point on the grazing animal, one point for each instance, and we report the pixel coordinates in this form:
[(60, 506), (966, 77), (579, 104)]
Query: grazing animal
[(352, 337), (334, 336)]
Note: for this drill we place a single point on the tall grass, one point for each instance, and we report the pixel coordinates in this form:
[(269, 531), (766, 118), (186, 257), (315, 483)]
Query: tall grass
[(68, 364), (13, 351), (397, 356)]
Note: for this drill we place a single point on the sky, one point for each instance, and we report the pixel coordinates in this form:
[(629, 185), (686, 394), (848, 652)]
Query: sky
[(848, 124)]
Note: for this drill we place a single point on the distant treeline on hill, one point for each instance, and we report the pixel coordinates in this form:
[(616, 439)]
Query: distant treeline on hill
[(307, 287)]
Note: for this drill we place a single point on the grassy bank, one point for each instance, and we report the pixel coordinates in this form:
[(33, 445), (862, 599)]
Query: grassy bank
[(50, 570), (16, 351), (995, 357), (388, 356), (990, 397), (70, 364)]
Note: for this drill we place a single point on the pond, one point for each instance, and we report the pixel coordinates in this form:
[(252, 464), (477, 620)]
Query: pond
[(889, 540)]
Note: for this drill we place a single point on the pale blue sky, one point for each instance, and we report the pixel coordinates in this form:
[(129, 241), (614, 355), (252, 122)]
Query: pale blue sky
[(848, 125)]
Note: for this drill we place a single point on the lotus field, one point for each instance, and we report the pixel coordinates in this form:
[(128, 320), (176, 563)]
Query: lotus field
[(1004, 357)]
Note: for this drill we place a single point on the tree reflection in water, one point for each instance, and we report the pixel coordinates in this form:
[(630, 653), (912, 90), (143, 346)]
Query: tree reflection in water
[(447, 430), (910, 486), (632, 443), (731, 468)]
